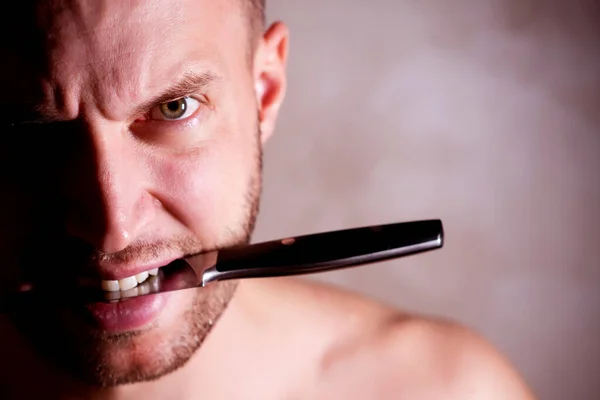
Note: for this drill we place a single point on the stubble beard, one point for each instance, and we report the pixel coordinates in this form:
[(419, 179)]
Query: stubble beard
[(87, 357)]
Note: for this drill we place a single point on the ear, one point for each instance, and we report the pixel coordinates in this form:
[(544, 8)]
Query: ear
[(270, 76)]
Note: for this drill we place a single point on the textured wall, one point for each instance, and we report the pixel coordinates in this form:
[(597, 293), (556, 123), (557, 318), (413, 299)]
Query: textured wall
[(484, 113)]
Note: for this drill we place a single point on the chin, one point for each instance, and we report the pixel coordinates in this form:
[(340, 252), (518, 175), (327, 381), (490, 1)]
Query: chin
[(106, 358), (144, 356)]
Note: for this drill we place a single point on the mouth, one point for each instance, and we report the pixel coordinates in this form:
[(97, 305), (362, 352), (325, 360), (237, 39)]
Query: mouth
[(62, 290), (135, 301), (172, 276), (128, 303), (111, 298), (147, 281), (131, 303), (124, 288)]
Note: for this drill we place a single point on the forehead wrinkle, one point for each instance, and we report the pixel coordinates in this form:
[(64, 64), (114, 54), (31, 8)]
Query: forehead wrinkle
[(113, 63), (143, 84), (119, 80), (111, 45), (119, 83)]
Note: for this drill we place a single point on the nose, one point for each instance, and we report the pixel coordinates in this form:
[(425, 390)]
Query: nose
[(108, 204)]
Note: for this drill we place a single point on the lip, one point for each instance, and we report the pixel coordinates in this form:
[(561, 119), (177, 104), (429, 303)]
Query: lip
[(129, 314)]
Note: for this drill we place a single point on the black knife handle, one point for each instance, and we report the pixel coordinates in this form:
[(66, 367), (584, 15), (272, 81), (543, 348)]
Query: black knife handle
[(327, 251)]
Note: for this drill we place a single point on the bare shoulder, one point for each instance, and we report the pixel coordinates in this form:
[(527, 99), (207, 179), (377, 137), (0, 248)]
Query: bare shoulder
[(425, 358), (363, 349), (376, 351)]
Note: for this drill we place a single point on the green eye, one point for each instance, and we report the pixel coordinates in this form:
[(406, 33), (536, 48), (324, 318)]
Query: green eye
[(176, 109)]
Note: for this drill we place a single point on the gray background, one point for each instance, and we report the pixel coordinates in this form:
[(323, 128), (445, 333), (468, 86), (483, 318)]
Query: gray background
[(483, 113)]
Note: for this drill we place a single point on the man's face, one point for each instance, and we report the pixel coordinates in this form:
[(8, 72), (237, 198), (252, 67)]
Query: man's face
[(150, 118)]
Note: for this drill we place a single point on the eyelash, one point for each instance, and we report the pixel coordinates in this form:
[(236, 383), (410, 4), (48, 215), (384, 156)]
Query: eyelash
[(185, 121)]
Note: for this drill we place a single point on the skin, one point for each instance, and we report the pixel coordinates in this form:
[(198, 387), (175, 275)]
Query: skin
[(114, 186)]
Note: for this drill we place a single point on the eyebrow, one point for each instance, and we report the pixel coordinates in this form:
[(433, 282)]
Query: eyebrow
[(189, 83)]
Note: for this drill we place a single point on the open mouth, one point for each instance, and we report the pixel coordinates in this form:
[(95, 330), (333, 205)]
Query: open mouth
[(173, 276), (132, 306)]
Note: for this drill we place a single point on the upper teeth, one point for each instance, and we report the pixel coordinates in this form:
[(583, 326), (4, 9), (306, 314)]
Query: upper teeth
[(127, 283), (150, 286)]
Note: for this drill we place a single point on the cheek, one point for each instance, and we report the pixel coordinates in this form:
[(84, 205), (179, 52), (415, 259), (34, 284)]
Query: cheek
[(207, 190)]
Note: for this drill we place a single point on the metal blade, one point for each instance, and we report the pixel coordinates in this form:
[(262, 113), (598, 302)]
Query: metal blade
[(299, 255)]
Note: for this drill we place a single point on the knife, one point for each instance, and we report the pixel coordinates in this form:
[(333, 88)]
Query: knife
[(300, 255)]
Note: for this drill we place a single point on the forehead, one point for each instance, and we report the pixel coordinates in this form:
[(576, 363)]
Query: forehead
[(128, 43)]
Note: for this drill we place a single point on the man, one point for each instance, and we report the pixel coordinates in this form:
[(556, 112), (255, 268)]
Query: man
[(133, 136)]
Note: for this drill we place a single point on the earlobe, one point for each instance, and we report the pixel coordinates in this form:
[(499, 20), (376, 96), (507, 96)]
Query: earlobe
[(270, 76)]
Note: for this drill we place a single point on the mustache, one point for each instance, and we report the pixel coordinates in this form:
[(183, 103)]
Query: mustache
[(148, 251), (55, 260), (60, 263)]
